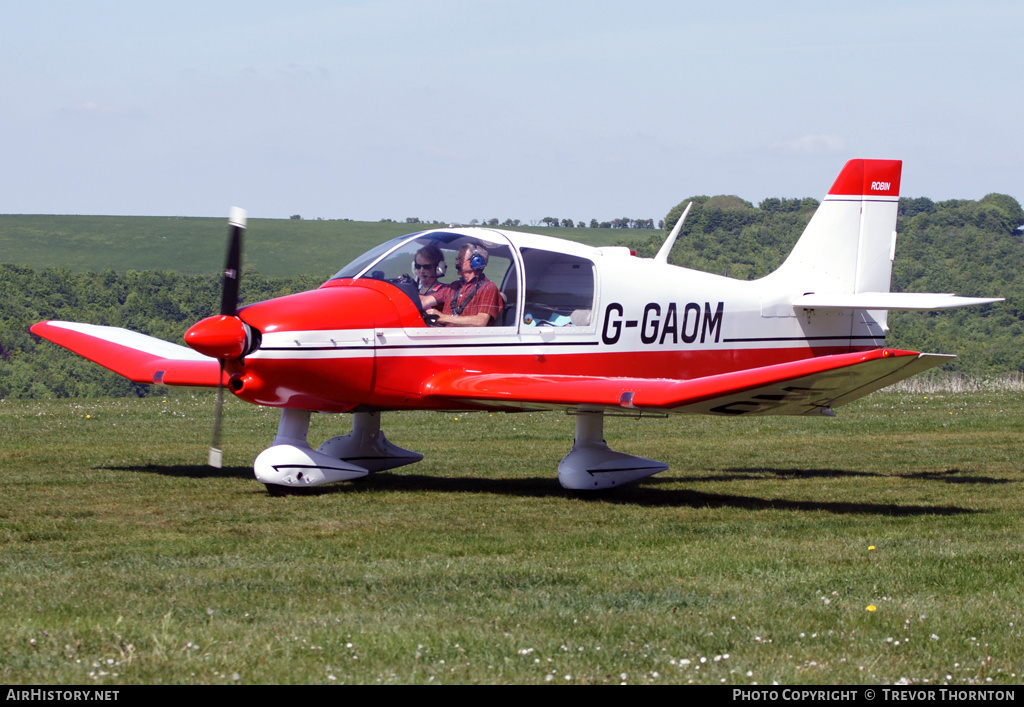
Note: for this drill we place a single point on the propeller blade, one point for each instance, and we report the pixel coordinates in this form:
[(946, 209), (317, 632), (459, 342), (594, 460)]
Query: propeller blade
[(228, 307), (216, 457), (233, 266)]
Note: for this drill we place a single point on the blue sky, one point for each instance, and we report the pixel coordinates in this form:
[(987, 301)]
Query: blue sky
[(460, 109)]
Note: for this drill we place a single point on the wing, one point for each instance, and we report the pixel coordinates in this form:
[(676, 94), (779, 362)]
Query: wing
[(141, 358), (797, 388)]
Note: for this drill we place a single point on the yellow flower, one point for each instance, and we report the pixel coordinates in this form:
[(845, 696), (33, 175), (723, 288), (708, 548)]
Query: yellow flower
[(871, 547), (872, 607)]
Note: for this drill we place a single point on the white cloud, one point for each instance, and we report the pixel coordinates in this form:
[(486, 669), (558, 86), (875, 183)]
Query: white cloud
[(94, 108), (815, 145)]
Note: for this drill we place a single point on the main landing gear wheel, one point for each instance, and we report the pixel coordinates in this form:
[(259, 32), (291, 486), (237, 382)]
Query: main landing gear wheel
[(277, 490), (592, 466)]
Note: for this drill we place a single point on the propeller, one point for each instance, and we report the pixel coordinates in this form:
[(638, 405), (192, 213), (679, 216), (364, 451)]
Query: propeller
[(228, 307), (225, 336), (233, 266)]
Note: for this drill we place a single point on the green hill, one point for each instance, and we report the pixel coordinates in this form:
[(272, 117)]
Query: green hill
[(193, 246)]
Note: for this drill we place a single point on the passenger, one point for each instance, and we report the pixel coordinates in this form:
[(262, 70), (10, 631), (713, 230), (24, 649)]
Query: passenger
[(428, 265), (472, 300)]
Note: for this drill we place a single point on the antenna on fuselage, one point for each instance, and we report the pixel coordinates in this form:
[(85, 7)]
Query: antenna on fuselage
[(662, 256)]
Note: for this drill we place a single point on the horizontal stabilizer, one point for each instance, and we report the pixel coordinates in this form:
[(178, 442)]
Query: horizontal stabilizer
[(140, 358), (889, 300), (802, 387)]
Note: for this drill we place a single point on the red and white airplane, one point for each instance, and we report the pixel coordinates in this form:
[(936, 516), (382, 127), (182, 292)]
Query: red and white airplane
[(588, 330)]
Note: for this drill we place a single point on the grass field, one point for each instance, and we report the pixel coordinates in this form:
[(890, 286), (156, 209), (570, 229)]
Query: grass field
[(882, 546)]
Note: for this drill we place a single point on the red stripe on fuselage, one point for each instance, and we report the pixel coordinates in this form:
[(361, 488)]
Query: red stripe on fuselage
[(341, 384)]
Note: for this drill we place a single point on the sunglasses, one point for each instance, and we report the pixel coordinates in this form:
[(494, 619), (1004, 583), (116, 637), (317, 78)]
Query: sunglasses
[(421, 266)]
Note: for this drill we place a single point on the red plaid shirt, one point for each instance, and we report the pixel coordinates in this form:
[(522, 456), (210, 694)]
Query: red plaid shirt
[(485, 298)]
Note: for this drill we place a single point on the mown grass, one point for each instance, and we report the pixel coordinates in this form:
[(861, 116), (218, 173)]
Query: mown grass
[(755, 558)]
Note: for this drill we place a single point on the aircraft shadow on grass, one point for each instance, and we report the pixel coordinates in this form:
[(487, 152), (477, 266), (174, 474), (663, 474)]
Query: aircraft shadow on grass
[(186, 471), (950, 476), (955, 476), (648, 494)]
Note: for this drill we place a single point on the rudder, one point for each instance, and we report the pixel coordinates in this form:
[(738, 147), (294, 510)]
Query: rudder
[(849, 243)]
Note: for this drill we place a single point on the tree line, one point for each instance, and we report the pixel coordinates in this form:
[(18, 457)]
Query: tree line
[(547, 221)]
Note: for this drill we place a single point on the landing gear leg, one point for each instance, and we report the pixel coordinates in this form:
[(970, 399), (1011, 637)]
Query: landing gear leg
[(591, 465), (367, 446)]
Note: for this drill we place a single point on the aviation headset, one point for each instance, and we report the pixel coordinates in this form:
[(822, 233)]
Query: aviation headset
[(477, 257), (442, 268), (439, 271)]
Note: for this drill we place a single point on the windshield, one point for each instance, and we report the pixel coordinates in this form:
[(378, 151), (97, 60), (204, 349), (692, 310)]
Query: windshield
[(394, 260), (359, 264)]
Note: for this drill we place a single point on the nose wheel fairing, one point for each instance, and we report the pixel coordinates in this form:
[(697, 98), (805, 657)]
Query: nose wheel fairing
[(292, 463)]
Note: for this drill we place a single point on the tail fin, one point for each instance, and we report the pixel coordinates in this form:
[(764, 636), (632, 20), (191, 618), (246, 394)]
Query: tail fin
[(849, 243)]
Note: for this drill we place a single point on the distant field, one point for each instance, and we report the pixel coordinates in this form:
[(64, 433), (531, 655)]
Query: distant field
[(882, 546), (274, 247)]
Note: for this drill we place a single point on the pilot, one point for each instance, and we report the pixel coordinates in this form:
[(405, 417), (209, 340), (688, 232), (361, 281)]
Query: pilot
[(428, 265), (473, 300)]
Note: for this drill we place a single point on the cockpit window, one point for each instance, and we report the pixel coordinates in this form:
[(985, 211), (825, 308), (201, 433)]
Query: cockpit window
[(559, 289), (394, 261)]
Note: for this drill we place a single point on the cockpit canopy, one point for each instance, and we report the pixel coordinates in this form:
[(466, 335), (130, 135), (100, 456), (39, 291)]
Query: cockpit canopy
[(559, 286), (394, 259)]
